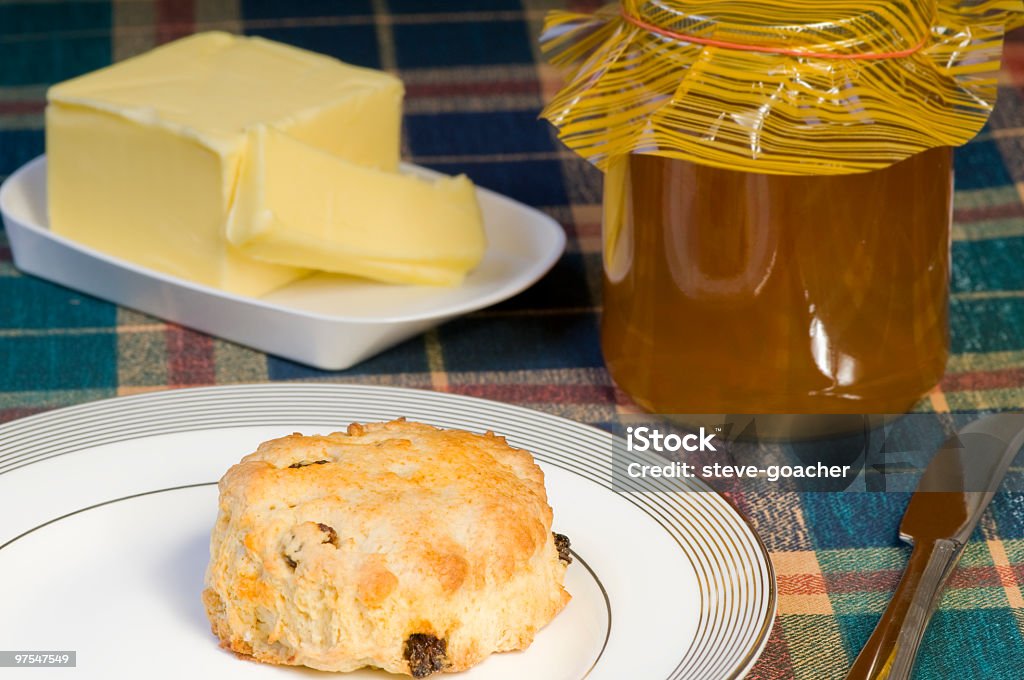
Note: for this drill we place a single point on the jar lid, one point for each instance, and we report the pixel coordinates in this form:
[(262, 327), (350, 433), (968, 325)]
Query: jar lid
[(798, 87)]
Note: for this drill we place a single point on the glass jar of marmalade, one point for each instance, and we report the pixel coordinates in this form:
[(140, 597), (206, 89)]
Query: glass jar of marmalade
[(778, 192), (740, 292)]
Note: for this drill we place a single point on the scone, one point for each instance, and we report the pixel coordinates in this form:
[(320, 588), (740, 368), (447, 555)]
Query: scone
[(395, 545)]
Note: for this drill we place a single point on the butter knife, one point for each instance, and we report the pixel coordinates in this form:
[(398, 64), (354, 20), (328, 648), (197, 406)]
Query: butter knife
[(951, 495)]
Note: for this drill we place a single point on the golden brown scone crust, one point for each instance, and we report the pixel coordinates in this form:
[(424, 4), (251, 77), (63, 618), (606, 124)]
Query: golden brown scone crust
[(404, 530)]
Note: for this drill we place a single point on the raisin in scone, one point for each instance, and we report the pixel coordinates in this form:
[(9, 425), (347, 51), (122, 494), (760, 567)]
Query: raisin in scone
[(395, 545)]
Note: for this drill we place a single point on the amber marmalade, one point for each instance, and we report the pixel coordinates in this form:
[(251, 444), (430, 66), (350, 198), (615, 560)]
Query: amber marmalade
[(731, 291)]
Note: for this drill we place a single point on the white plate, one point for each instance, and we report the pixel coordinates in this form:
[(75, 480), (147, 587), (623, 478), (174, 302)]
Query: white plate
[(106, 509), (324, 320)]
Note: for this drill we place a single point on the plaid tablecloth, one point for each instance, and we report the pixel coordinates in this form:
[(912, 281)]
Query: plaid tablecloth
[(475, 84)]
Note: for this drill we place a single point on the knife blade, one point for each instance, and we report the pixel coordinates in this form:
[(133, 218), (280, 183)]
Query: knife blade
[(951, 496)]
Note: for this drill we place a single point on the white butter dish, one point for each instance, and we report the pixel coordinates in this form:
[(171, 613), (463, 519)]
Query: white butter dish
[(325, 320)]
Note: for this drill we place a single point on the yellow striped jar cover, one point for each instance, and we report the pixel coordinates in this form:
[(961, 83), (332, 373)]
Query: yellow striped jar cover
[(798, 87)]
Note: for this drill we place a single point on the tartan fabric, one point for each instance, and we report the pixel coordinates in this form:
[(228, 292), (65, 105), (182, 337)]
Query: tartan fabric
[(475, 84)]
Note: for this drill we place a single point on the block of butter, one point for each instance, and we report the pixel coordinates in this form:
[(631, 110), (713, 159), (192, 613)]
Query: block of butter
[(299, 205), (144, 156)]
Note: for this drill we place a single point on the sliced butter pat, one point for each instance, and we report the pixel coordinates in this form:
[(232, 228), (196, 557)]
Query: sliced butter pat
[(143, 156), (297, 205)]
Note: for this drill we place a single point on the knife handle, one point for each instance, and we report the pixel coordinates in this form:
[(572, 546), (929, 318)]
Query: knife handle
[(890, 651)]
